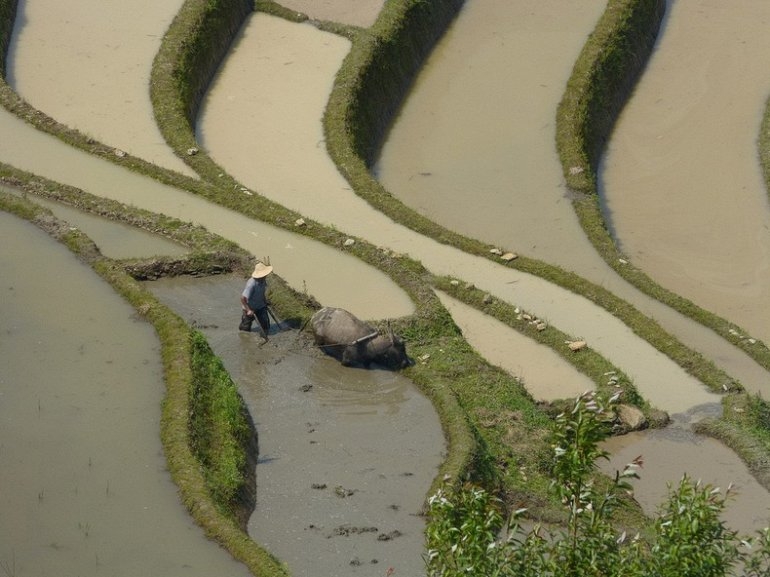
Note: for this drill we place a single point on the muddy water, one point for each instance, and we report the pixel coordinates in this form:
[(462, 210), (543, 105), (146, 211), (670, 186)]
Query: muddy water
[(356, 12), (85, 486), (426, 154), (320, 193), (403, 488), (346, 455), (609, 338), (670, 453), (543, 372), (474, 145), (444, 151), (277, 134), (685, 197), (681, 179), (302, 262), (279, 149), (98, 55), (114, 239)]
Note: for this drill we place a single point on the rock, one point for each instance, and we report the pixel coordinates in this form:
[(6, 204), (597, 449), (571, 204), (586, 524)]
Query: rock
[(192, 151), (299, 222), (496, 251), (487, 299), (658, 419), (509, 256), (576, 345), (631, 417), (119, 153), (349, 242)]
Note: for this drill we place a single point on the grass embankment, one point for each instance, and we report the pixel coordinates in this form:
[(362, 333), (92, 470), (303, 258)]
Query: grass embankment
[(601, 80)]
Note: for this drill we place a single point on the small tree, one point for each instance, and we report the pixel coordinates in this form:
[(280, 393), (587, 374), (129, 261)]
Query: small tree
[(464, 530), (692, 539)]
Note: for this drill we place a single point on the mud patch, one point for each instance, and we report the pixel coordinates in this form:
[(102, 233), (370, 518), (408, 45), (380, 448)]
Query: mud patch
[(341, 450)]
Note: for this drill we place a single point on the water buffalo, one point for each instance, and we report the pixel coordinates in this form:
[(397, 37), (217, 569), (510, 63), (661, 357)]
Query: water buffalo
[(353, 342)]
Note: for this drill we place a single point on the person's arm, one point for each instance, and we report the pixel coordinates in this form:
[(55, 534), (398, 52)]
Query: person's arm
[(245, 305)]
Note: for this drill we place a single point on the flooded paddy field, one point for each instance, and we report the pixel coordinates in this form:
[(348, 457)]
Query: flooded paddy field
[(85, 484), (261, 119)]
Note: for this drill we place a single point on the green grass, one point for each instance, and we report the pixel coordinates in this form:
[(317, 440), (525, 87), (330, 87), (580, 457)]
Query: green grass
[(219, 426)]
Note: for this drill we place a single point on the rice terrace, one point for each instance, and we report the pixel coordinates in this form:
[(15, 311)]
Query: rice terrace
[(560, 210)]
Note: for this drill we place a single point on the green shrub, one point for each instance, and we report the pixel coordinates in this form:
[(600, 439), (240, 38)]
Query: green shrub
[(467, 534)]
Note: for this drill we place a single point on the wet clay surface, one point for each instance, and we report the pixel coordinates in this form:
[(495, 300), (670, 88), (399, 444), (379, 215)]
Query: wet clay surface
[(346, 455)]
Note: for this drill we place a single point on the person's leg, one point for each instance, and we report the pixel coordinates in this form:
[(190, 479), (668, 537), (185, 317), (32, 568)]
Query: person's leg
[(264, 320)]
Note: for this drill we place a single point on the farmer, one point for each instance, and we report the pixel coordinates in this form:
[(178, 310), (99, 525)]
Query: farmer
[(253, 300)]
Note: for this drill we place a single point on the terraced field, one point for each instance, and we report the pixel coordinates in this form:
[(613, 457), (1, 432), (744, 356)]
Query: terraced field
[(265, 162)]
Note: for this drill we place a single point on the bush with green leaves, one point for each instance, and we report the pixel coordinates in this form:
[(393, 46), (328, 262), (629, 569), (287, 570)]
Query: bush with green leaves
[(467, 533)]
